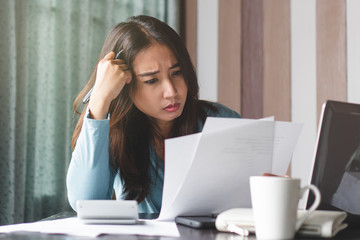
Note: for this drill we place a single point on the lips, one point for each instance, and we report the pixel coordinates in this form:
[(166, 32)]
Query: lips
[(172, 107)]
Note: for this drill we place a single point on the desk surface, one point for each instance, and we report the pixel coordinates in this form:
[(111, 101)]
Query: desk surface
[(186, 233)]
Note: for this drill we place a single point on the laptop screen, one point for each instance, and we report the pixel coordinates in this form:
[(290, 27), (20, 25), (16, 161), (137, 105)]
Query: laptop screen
[(337, 164)]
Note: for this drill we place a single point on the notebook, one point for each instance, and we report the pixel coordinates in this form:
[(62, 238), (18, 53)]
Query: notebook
[(336, 170)]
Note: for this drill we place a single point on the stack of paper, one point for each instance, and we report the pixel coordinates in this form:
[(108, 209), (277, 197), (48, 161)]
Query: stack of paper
[(209, 172), (73, 226), (320, 223)]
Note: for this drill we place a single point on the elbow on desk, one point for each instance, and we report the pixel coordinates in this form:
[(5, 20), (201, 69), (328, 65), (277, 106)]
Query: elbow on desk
[(72, 203), (88, 184), (76, 192)]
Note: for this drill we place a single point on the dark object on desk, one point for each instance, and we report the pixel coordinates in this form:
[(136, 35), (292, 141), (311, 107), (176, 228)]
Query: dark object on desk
[(201, 222), (337, 161)]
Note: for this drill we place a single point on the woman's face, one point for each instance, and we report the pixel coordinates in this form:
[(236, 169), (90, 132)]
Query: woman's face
[(160, 87)]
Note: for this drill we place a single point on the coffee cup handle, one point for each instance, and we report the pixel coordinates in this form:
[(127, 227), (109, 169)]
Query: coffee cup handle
[(313, 207)]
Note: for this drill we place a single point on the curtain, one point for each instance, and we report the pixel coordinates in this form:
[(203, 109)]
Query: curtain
[(48, 50)]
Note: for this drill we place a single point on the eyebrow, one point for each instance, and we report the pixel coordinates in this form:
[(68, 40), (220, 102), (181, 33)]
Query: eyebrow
[(155, 72)]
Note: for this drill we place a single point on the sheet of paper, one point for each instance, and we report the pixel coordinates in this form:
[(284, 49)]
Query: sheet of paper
[(285, 138), (72, 226), (219, 175), (181, 151), (219, 123)]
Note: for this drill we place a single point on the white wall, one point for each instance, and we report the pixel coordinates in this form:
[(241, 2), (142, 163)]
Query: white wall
[(353, 50), (207, 49), (303, 85)]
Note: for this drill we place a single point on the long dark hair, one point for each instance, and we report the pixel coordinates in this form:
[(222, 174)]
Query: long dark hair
[(131, 131)]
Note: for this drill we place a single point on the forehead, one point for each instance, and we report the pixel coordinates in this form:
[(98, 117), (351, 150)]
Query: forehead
[(155, 57)]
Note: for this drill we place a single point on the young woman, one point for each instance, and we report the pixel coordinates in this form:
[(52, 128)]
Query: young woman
[(136, 102)]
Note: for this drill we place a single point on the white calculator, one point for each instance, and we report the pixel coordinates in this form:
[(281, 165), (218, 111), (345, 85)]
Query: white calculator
[(107, 211)]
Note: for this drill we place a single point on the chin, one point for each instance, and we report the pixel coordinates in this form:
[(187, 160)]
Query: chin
[(172, 117)]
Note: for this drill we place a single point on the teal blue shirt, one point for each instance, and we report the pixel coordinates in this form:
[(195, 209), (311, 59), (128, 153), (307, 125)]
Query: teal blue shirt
[(90, 175)]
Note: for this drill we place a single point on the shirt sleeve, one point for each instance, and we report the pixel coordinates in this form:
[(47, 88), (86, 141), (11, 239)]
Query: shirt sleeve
[(90, 175)]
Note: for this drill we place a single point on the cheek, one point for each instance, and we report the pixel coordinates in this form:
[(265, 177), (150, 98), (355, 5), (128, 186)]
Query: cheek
[(143, 100), (183, 89)]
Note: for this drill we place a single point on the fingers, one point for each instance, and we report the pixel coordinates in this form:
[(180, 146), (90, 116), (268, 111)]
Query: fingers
[(118, 61), (109, 61), (121, 63), (109, 56)]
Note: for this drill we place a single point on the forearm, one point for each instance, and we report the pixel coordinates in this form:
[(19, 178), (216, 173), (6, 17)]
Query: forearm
[(90, 175)]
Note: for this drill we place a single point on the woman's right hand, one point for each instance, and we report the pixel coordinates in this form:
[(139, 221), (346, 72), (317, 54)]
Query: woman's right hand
[(111, 77)]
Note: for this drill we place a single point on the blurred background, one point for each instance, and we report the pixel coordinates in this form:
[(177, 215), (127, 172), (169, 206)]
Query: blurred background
[(279, 58)]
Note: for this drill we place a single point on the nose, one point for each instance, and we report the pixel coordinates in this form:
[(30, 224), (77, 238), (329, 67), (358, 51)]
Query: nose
[(169, 89)]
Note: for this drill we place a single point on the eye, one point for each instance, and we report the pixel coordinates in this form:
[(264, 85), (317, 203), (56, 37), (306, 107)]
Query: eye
[(151, 81), (176, 73)]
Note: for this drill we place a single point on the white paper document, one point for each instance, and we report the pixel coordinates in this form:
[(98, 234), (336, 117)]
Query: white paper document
[(73, 226), (209, 172)]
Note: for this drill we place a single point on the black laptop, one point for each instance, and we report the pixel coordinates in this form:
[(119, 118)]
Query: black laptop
[(336, 169)]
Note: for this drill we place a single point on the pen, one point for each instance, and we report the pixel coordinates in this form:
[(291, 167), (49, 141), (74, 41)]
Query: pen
[(87, 96)]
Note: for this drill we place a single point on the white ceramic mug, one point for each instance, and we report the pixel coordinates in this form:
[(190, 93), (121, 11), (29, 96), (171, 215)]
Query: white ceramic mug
[(274, 201)]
